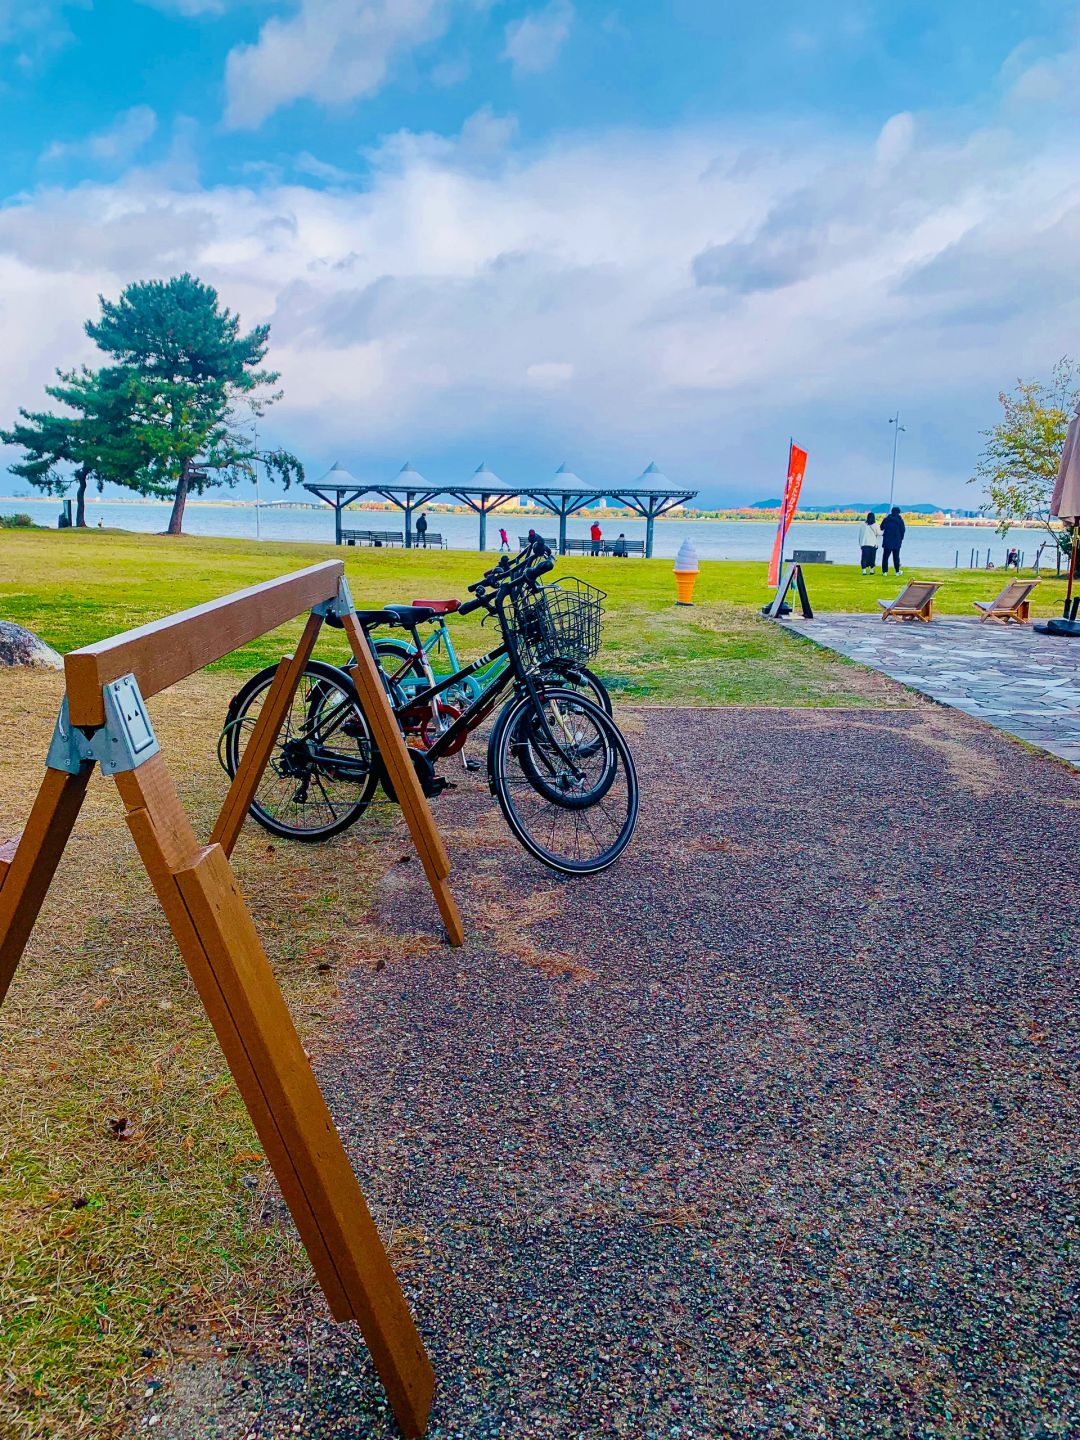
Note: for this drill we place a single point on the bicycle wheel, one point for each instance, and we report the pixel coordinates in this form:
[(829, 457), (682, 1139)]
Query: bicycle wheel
[(324, 768), (571, 676), (581, 818), (392, 655)]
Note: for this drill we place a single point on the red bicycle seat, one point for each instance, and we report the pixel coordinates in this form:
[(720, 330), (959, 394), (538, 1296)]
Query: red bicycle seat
[(441, 607)]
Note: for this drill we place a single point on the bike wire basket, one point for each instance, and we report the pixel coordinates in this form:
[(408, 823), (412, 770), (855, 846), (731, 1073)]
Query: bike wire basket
[(560, 621)]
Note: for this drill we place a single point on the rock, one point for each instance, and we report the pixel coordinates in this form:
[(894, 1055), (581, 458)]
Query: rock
[(20, 647)]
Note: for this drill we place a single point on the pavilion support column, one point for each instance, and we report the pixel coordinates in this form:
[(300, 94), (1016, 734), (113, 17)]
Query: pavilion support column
[(408, 508), (650, 520), (483, 529), (338, 507), (563, 512)]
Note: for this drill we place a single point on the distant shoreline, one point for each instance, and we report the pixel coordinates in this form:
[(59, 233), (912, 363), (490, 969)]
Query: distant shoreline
[(817, 517)]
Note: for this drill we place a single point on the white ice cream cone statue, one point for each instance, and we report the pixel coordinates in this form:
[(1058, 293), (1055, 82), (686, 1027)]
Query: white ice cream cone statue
[(686, 573)]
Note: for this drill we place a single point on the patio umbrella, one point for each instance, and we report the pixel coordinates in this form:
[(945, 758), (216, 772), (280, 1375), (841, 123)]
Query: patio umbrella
[(1065, 504)]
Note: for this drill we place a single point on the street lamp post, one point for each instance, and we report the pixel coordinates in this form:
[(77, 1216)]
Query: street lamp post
[(895, 441)]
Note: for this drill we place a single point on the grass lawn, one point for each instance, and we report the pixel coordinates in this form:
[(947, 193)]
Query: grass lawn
[(73, 587)]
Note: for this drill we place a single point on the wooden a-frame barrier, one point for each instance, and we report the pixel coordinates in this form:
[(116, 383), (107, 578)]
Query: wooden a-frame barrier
[(103, 721)]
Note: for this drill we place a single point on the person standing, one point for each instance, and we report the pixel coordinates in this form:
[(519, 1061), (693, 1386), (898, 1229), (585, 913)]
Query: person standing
[(869, 540), (504, 539), (892, 537), (421, 529), (596, 535)]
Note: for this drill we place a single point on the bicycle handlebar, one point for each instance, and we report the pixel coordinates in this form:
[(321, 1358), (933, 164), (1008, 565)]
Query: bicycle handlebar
[(502, 578)]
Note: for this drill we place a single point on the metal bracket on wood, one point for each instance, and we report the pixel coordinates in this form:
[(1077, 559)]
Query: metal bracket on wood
[(125, 741), (335, 610)]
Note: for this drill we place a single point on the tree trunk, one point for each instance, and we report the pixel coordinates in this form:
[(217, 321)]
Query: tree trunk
[(176, 519), (80, 499)]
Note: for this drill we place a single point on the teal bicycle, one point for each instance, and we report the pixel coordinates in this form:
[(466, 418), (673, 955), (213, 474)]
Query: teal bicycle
[(409, 666)]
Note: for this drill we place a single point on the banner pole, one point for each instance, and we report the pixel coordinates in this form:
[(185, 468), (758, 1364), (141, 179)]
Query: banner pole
[(787, 488)]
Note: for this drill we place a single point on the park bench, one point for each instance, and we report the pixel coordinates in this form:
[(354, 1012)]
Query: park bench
[(431, 540), (372, 537), (1013, 603), (809, 557), (915, 602), (585, 547), (549, 540), (629, 547)]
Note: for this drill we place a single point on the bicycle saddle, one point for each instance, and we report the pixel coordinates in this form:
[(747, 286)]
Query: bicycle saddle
[(370, 618), (439, 607), (410, 615)]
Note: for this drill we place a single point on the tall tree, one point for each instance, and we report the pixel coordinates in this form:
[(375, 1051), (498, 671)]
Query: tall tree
[(91, 440), (196, 387), (1020, 458)]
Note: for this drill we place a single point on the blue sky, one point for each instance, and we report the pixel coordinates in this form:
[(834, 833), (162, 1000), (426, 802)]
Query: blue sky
[(600, 232)]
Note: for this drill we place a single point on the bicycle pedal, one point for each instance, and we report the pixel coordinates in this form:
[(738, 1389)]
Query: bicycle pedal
[(471, 764)]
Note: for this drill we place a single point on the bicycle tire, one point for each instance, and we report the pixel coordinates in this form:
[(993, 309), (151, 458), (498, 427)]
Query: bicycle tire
[(532, 812), (357, 773)]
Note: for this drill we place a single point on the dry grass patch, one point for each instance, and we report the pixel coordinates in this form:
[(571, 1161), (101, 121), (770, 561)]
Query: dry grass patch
[(134, 1199)]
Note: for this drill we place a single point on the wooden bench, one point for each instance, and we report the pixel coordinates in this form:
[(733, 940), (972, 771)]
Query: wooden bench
[(549, 540), (1012, 604), (809, 557), (627, 547), (431, 540), (915, 602), (585, 547)]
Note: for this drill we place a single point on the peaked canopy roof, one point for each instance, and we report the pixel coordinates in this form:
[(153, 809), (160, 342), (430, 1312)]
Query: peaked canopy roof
[(337, 475)]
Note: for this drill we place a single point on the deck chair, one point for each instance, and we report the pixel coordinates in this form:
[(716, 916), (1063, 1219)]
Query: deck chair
[(1012, 604), (915, 602)]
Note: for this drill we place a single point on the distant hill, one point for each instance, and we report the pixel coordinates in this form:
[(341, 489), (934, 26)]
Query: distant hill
[(862, 505)]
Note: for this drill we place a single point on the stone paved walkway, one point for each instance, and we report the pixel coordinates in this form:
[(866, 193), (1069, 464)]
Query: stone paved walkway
[(1013, 678)]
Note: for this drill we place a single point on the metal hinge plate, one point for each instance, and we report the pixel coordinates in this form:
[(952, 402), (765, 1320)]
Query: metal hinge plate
[(340, 606), (124, 742)]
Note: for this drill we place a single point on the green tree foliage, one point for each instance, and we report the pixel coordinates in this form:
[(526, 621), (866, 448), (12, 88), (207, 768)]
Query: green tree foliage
[(196, 388), (174, 411), (1021, 454), (93, 436)]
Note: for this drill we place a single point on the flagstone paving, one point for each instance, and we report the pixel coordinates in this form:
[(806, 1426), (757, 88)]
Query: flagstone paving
[(1012, 677)]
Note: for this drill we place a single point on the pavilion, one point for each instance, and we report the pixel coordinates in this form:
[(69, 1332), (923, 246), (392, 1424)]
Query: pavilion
[(650, 496)]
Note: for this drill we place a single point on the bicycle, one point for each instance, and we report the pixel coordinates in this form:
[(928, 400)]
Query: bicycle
[(558, 765), (408, 665)]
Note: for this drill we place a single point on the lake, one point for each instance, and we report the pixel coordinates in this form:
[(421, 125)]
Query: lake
[(937, 546)]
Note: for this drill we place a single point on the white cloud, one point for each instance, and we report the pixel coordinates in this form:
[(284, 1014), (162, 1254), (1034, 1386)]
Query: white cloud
[(679, 295), (329, 51), (533, 42), (894, 142), (117, 144)]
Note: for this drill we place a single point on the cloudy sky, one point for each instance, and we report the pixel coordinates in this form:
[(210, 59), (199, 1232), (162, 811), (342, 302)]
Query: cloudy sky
[(600, 231)]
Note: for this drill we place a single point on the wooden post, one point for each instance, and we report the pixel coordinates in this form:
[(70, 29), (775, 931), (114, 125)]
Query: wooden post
[(395, 756), (28, 871), (226, 959), (260, 745)]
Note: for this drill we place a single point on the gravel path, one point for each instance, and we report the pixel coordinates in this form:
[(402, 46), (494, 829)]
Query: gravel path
[(769, 1131)]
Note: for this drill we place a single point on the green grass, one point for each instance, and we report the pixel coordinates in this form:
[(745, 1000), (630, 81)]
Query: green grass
[(74, 587)]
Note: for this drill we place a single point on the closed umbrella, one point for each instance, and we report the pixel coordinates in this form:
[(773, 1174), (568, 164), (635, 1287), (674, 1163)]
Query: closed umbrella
[(1065, 504)]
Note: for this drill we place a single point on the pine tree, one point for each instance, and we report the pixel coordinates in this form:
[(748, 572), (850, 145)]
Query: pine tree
[(191, 375), (94, 437)]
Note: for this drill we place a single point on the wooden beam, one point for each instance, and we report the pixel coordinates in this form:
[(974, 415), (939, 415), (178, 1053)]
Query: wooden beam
[(395, 756), (261, 741), (29, 871), (168, 650)]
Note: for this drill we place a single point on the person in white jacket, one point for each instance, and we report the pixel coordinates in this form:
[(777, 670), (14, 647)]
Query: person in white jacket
[(869, 540)]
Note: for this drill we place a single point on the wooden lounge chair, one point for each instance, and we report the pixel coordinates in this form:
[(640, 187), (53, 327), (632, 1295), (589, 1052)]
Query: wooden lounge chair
[(1013, 603), (915, 602)]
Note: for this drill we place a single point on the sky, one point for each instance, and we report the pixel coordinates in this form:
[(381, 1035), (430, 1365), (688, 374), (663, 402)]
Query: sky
[(603, 232)]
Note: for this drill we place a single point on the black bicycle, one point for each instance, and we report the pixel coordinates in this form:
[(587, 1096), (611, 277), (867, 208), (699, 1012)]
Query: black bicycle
[(557, 763)]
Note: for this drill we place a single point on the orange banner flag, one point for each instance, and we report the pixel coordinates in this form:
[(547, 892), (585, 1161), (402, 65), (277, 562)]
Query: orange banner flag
[(796, 472)]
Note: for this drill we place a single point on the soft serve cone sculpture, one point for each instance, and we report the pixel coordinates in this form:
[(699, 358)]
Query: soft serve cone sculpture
[(686, 573)]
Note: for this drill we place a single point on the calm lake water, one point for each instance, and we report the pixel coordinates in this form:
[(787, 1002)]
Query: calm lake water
[(928, 545)]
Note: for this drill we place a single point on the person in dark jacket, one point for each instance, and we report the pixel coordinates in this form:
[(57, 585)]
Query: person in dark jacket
[(892, 537), (421, 529)]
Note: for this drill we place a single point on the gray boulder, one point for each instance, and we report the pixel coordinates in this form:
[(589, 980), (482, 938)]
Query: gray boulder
[(20, 647)]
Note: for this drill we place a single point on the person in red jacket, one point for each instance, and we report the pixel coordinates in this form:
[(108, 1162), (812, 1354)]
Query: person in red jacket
[(596, 535)]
